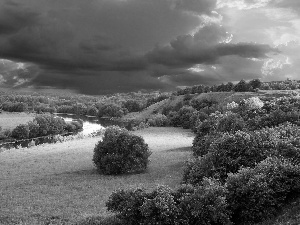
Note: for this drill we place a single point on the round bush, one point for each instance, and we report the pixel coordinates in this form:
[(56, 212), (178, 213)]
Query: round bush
[(120, 152)]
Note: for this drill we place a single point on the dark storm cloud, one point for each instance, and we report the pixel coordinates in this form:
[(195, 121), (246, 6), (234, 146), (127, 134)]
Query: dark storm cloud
[(205, 47), (14, 17), (97, 40), (108, 45)]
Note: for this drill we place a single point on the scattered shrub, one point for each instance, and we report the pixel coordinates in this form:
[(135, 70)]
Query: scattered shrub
[(120, 152)]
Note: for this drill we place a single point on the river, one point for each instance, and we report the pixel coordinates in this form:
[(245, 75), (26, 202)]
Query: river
[(91, 124)]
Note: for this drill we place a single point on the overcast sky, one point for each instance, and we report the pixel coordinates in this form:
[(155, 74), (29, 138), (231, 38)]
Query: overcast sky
[(106, 46)]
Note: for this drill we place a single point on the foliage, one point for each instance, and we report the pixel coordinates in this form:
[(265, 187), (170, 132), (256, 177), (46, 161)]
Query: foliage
[(158, 120), (120, 152), (187, 205), (111, 110), (221, 153), (256, 194), (132, 106), (20, 132)]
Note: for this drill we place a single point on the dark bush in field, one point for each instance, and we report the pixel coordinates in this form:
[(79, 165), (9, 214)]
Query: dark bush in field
[(205, 204), (256, 194), (120, 152), (20, 132)]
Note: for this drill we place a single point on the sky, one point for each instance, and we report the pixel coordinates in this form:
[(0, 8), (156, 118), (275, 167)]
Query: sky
[(109, 46)]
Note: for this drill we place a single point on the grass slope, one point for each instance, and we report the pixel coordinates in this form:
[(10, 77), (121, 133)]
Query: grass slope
[(58, 184)]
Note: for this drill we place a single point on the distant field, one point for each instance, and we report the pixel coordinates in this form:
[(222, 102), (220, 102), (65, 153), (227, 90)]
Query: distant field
[(59, 183), (11, 120)]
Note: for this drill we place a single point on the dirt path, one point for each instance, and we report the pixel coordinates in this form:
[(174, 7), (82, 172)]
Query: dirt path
[(60, 179)]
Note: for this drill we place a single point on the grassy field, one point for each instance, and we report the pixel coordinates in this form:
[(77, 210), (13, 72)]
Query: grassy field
[(58, 184), (11, 120)]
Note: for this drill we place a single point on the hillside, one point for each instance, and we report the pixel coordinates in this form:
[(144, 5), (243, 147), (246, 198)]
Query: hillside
[(221, 98)]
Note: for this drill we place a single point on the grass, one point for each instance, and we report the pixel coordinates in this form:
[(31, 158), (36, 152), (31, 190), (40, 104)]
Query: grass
[(11, 120), (59, 184)]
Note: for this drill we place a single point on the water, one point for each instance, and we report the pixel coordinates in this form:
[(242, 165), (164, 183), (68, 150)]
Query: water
[(91, 124)]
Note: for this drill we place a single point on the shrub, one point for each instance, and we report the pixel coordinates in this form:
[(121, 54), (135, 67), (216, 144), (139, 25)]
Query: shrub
[(221, 153), (137, 124), (20, 132), (132, 106), (256, 194), (120, 152), (207, 204), (33, 129), (187, 205), (127, 204), (185, 114), (201, 144), (230, 122), (174, 119), (111, 110), (158, 120), (48, 124), (242, 86), (198, 169), (92, 111)]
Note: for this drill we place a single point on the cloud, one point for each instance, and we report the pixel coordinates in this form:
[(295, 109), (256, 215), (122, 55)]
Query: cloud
[(14, 17), (195, 6), (205, 47), (102, 46), (90, 39)]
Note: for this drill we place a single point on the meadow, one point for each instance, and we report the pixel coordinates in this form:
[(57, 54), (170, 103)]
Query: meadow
[(59, 183)]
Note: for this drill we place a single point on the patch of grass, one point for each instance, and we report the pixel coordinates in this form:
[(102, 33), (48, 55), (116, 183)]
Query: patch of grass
[(11, 120)]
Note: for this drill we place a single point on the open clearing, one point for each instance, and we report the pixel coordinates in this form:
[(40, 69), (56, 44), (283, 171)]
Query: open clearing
[(59, 182), (11, 120)]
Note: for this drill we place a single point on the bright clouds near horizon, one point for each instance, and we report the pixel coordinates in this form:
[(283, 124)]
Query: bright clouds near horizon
[(105, 46)]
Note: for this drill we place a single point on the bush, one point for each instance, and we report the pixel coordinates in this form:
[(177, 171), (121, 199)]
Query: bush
[(20, 132), (185, 114), (132, 106), (92, 111), (111, 110), (187, 205), (120, 152), (207, 204), (256, 194), (48, 124), (158, 120), (33, 129)]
